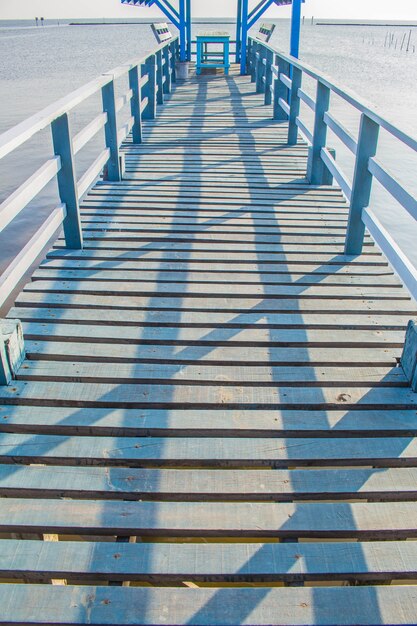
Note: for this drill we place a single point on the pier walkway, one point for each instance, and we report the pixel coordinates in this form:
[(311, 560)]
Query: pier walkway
[(211, 425)]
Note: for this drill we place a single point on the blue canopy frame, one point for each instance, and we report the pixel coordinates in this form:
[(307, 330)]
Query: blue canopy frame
[(181, 18)]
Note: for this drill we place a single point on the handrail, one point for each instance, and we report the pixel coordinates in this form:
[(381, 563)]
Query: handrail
[(287, 74), (148, 82)]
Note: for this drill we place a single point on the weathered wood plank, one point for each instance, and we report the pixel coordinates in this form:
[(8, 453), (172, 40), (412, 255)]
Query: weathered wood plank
[(212, 374), (37, 561), (125, 606), (121, 275), (112, 395), (367, 309), (393, 520), (208, 422), (206, 452), (220, 289), (187, 319), (255, 337), (234, 269), (278, 485)]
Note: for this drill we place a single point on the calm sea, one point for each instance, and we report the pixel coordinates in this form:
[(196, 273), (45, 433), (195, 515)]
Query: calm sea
[(41, 64)]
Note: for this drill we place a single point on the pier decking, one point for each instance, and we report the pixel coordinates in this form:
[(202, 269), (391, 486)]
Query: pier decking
[(211, 395)]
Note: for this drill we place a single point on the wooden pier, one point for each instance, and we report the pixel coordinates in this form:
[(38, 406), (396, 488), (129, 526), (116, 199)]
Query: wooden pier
[(211, 425)]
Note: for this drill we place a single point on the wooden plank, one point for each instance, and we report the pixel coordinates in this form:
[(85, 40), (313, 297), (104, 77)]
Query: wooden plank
[(221, 422), (123, 606), (197, 246), (214, 485), (219, 290), (235, 269), (367, 308), (219, 336), (208, 452), (187, 319), (123, 275), (210, 374), (111, 395), (36, 561), (390, 520), (65, 350)]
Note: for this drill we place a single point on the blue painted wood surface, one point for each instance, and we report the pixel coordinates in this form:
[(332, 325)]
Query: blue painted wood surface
[(207, 58), (67, 184)]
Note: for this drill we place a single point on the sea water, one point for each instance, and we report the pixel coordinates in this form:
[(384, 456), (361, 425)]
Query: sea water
[(41, 64)]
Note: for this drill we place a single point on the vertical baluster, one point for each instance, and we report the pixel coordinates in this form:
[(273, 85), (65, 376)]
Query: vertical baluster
[(315, 167), (110, 131), (149, 89), (254, 62), (173, 60), (294, 106), (136, 104), (159, 78), (249, 55), (362, 184), (260, 71), (268, 76), (280, 90), (167, 69), (67, 182)]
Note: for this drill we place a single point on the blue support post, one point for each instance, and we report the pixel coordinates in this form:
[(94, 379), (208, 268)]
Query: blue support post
[(136, 104), (159, 78), (260, 70), (183, 32), (315, 167), (167, 69), (268, 76), (245, 10), (188, 29), (110, 131), (295, 28), (362, 184), (173, 49), (294, 105), (149, 89), (238, 30), (67, 182), (280, 90)]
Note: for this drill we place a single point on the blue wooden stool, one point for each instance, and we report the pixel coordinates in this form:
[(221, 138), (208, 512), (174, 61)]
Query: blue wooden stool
[(214, 58)]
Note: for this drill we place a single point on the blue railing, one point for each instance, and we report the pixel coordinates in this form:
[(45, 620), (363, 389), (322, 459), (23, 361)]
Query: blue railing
[(149, 78), (281, 77)]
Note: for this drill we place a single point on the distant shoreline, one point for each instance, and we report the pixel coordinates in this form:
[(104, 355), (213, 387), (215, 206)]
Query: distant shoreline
[(385, 25)]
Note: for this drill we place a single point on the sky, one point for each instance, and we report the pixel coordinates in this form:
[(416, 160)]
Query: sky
[(338, 9)]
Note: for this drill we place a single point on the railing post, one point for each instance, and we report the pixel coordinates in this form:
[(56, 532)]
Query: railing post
[(254, 62), (136, 104), (294, 106), (67, 183), (167, 69), (268, 76), (362, 184), (159, 78), (12, 349), (280, 90), (315, 167), (149, 90), (260, 71), (110, 131), (173, 60), (5, 373)]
